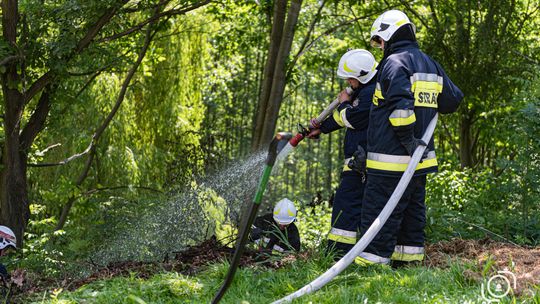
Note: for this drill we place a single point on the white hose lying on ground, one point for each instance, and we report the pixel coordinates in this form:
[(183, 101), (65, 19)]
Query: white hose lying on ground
[(378, 223)]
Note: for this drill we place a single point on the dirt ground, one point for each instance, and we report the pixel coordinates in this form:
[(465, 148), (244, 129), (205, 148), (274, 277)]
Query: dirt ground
[(523, 262), (490, 256)]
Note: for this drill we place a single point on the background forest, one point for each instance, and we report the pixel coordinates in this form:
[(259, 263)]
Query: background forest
[(133, 129)]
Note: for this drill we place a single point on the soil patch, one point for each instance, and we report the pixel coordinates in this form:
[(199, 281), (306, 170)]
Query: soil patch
[(490, 257)]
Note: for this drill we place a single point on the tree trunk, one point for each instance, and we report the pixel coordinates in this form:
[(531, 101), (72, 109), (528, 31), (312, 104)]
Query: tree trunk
[(280, 73), (14, 211), (278, 20)]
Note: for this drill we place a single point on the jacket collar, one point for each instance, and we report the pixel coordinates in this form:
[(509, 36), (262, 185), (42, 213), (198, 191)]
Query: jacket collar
[(400, 45)]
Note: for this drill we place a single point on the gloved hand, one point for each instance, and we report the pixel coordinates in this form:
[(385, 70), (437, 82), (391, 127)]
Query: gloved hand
[(413, 144), (256, 233), (314, 133), (344, 97)]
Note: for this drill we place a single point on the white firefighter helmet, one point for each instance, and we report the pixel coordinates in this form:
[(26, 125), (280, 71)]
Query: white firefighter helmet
[(387, 24), (357, 64), (284, 212), (7, 238)]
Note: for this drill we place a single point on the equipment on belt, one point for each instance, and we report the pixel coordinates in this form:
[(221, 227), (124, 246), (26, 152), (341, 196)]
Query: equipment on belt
[(275, 146), (358, 162)]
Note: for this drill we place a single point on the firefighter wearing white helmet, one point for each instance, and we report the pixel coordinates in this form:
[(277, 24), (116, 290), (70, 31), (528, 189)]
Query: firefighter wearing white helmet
[(359, 68), (284, 212), (7, 238), (357, 64), (411, 89), (8, 241), (276, 231), (386, 25)]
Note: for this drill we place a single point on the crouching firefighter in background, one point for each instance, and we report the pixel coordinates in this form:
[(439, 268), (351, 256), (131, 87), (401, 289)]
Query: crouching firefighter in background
[(411, 89), (359, 68), (8, 243), (277, 232)]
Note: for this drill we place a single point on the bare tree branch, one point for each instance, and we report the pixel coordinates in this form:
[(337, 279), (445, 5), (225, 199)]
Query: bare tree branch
[(36, 122), (65, 161), (42, 152), (139, 26), (8, 59)]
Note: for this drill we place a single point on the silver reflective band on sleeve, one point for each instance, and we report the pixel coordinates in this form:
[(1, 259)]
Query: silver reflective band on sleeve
[(409, 249), (278, 248), (346, 161), (341, 232), (395, 159), (426, 77), (401, 113), (374, 258), (343, 114)]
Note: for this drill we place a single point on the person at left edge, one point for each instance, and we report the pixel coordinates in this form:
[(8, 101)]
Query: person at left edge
[(359, 68), (277, 231), (8, 242)]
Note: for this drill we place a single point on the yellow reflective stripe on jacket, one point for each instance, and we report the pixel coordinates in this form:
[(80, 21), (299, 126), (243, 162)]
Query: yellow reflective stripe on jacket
[(377, 95), (402, 118), (343, 115), (337, 118), (342, 236), (397, 163), (426, 88)]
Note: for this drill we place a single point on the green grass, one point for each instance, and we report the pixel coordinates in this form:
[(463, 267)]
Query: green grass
[(258, 284)]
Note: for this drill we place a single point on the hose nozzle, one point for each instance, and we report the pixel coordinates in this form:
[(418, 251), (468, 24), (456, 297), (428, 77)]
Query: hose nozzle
[(279, 141)]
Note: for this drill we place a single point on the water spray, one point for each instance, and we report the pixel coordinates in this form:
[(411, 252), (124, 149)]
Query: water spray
[(278, 143), (375, 227)]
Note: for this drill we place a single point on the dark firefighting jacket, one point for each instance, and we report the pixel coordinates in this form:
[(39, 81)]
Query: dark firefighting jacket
[(411, 88), (354, 116)]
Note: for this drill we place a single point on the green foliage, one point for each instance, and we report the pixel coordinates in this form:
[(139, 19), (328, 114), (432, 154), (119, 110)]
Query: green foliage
[(471, 204)]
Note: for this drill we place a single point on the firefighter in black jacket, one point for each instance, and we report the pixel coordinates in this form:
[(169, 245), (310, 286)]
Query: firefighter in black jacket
[(411, 88), (359, 68), (277, 232)]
